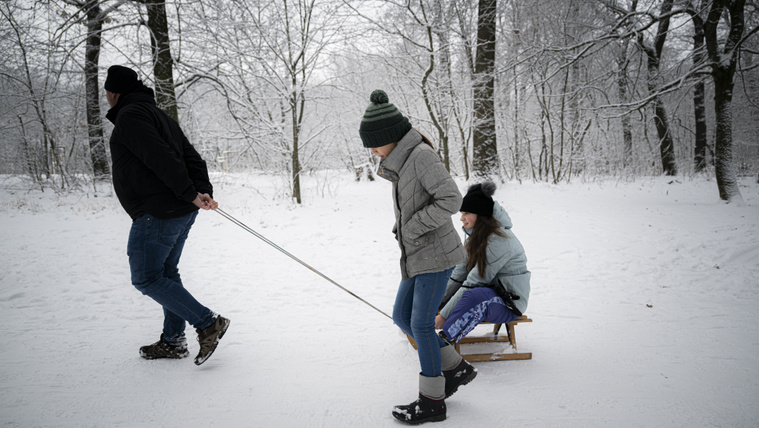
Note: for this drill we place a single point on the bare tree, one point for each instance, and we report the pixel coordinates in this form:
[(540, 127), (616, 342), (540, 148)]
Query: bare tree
[(554, 61), (462, 106), (559, 84), (163, 63), (624, 98), (38, 88), (723, 72), (518, 81), (93, 16), (423, 29), (573, 30), (268, 59), (485, 162), (653, 53), (699, 90)]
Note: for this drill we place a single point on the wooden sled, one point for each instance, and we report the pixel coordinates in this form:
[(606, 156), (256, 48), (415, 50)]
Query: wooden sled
[(510, 337)]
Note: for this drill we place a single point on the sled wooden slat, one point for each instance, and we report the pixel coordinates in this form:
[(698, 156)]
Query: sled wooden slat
[(473, 358), (510, 337)]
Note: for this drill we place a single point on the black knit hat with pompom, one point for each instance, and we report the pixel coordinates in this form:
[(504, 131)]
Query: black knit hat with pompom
[(479, 199), (382, 123)]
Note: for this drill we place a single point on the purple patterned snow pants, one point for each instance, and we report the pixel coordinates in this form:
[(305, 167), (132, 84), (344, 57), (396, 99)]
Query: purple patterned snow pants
[(477, 305)]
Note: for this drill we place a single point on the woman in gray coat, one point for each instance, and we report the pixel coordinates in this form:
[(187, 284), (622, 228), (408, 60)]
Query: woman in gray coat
[(424, 199)]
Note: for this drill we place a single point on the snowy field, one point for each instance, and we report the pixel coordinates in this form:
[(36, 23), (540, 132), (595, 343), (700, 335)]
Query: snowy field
[(645, 304)]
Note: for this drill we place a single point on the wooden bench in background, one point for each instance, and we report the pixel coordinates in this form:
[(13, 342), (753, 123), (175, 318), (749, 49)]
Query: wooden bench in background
[(509, 337)]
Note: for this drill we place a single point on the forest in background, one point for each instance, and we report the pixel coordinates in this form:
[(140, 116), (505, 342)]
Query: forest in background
[(536, 90)]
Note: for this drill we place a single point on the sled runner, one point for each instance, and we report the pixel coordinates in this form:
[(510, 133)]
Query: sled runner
[(509, 337)]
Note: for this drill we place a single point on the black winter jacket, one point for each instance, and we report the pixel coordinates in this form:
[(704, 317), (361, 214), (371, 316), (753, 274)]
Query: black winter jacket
[(155, 169)]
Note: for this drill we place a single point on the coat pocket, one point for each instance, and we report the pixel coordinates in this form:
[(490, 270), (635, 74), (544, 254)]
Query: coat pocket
[(416, 245)]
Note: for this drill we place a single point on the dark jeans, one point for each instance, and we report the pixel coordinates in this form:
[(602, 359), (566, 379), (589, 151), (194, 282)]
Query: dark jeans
[(154, 248), (416, 306)]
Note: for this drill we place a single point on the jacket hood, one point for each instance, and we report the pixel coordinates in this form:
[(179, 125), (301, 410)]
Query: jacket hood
[(502, 216)]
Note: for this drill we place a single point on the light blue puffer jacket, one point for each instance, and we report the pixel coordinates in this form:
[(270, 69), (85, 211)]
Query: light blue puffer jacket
[(507, 265)]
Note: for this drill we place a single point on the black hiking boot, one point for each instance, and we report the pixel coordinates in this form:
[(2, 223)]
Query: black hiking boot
[(162, 349), (209, 338), (420, 411), (461, 375)]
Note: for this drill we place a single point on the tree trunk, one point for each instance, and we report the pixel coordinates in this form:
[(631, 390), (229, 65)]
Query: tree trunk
[(515, 127), (296, 136), (699, 107), (163, 63), (622, 83), (576, 151), (98, 155), (699, 99), (465, 132), (485, 161), (442, 132), (653, 54), (666, 143), (723, 142), (517, 76), (723, 72)]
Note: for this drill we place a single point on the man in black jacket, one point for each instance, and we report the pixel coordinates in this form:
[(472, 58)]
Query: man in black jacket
[(161, 181)]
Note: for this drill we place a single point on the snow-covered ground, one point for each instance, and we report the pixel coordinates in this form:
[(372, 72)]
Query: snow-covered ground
[(645, 304)]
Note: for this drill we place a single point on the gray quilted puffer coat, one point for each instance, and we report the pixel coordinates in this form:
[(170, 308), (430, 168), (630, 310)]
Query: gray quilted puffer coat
[(425, 197)]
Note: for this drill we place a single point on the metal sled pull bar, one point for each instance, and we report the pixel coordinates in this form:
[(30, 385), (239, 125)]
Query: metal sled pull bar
[(282, 250)]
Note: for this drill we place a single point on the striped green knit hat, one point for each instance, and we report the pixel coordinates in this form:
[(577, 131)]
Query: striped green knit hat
[(382, 123)]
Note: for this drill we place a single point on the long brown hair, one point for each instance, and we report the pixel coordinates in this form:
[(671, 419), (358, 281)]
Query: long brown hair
[(477, 244), (425, 139)]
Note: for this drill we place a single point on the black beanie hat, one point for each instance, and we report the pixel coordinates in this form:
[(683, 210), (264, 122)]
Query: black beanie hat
[(479, 199), (382, 123), (121, 80)]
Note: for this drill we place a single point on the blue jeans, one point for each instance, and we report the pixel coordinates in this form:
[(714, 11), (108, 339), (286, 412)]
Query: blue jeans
[(480, 304), (154, 248), (416, 306)]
